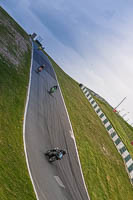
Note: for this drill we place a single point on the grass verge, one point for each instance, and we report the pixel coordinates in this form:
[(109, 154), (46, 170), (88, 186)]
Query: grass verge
[(15, 183)]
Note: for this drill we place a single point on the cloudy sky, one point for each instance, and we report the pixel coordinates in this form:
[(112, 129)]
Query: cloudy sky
[(92, 41)]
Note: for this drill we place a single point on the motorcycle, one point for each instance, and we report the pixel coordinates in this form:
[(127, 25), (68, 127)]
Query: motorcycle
[(51, 157), (40, 68)]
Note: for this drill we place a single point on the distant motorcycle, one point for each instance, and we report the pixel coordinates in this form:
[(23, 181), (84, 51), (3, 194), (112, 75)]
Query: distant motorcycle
[(55, 154), (40, 68)]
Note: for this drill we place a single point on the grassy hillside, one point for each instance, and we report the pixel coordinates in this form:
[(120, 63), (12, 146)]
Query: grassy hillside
[(15, 56), (103, 168)]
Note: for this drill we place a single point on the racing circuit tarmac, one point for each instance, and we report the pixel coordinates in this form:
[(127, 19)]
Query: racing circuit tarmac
[(47, 126)]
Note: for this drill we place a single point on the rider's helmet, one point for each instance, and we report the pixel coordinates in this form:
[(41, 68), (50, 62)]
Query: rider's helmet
[(64, 152), (55, 87)]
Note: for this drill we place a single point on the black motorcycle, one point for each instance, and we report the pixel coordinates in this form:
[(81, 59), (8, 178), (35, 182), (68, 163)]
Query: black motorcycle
[(54, 155)]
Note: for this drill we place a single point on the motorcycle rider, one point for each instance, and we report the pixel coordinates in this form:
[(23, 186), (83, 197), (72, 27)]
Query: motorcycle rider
[(56, 152), (40, 68), (41, 48), (53, 89)]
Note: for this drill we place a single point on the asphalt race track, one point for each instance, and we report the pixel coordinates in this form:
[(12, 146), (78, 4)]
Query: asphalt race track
[(47, 126)]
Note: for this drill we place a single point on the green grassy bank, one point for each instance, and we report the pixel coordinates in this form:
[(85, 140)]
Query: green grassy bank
[(15, 183)]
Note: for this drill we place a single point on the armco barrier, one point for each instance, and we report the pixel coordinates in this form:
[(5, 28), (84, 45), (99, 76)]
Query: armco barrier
[(128, 161)]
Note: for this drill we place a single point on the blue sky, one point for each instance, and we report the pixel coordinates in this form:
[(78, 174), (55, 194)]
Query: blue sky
[(91, 40)]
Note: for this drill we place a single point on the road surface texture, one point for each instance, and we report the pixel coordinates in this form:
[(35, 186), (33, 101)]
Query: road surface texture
[(47, 126)]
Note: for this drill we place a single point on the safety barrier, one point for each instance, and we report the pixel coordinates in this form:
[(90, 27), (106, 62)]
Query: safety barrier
[(128, 161)]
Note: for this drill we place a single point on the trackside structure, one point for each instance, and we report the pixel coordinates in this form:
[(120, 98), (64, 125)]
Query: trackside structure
[(128, 161)]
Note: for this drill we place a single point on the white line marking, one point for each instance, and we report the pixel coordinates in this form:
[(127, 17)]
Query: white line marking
[(59, 181), (24, 122), (71, 133), (73, 136)]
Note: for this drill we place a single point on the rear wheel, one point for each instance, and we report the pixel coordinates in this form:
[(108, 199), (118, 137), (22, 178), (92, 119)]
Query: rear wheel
[(52, 159), (47, 153)]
